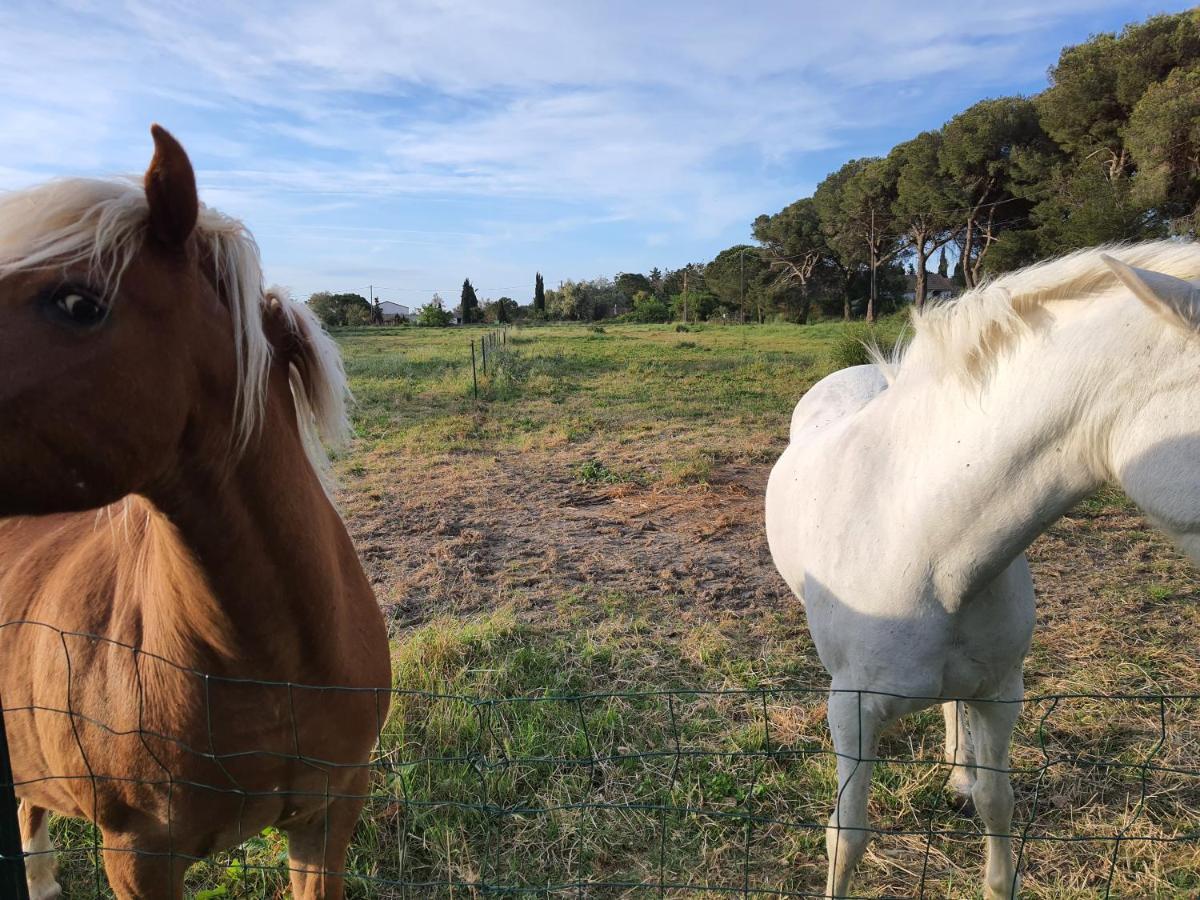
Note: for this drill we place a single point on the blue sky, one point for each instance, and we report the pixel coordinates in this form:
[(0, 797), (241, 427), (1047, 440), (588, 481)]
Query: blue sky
[(410, 145)]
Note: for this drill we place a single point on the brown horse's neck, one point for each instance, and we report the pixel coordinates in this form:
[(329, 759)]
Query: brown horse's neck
[(275, 555)]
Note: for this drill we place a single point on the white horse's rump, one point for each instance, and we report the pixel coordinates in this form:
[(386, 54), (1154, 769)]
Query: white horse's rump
[(835, 397), (900, 515)]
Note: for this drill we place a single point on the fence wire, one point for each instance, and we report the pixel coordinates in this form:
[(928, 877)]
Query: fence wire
[(658, 793)]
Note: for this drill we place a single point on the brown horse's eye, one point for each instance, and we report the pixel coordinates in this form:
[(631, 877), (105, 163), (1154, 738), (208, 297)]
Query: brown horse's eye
[(80, 306)]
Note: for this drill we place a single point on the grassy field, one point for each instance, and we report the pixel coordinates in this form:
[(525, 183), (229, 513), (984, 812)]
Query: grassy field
[(587, 537)]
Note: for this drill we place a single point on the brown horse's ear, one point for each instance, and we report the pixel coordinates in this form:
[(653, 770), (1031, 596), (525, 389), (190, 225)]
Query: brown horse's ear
[(171, 190)]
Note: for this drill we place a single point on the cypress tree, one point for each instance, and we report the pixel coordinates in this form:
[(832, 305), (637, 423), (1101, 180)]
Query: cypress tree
[(470, 303)]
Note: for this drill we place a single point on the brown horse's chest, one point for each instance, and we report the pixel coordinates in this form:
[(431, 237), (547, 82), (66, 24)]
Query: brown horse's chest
[(209, 761)]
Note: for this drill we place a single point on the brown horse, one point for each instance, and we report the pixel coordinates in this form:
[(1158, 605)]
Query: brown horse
[(175, 585)]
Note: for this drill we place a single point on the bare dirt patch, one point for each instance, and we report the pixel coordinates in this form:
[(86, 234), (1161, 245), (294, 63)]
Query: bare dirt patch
[(463, 533), (456, 535)]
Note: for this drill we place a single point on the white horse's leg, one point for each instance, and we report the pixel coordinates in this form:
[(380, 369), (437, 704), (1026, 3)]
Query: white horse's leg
[(992, 727), (855, 721), (959, 753), (41, 866)]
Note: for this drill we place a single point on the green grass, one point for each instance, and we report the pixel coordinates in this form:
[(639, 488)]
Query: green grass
[(535, 831), (413, 386)]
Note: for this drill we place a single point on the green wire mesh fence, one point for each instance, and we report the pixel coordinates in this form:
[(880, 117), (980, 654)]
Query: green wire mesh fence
[(695, 793)]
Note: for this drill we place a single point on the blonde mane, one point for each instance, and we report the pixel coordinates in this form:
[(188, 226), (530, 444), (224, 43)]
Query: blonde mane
[(102, 224), (967, 335)]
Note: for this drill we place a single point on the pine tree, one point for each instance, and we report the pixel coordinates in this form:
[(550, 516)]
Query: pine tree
[(539, 294), (656, 282)]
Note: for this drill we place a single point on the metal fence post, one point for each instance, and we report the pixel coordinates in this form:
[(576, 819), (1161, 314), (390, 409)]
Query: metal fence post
[(12, 859), (474, 377)]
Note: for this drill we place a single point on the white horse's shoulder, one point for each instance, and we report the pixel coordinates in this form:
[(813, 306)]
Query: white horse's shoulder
[(835, 397)]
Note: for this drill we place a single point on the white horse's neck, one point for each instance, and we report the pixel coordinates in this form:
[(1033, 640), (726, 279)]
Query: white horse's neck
[(986, 468)]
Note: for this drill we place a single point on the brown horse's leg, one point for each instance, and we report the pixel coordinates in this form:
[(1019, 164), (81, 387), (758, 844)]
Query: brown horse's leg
[(317, 850), (138, 869), (40, 863)]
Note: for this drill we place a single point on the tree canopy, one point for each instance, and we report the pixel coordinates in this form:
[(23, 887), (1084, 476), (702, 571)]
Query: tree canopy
[(336, 310)]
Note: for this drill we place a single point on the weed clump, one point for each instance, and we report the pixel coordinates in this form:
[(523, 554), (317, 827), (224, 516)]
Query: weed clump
[(595, 472)]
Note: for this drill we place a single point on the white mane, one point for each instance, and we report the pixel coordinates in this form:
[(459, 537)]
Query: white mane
[(102, 223), (965, 336)]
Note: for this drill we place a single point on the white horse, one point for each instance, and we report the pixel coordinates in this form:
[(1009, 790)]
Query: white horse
[(901, 509)]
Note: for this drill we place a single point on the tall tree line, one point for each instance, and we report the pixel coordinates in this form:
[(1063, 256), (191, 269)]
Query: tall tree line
[(1109, 151)]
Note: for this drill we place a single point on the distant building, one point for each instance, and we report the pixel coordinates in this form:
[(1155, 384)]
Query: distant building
[(937, 287), (394, 311)]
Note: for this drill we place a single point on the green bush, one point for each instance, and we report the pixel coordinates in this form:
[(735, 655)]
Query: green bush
[(433, 315), (647, 309)]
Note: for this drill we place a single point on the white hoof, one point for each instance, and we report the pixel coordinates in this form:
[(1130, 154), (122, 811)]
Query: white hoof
[(1009, 889), (51, 890), (959, 787)]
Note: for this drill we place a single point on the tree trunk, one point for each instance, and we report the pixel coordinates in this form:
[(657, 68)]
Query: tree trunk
[(871, 296), (922, 258), (965, 257), (872, 244), (847, 281), (987, 239), (805, 303)]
